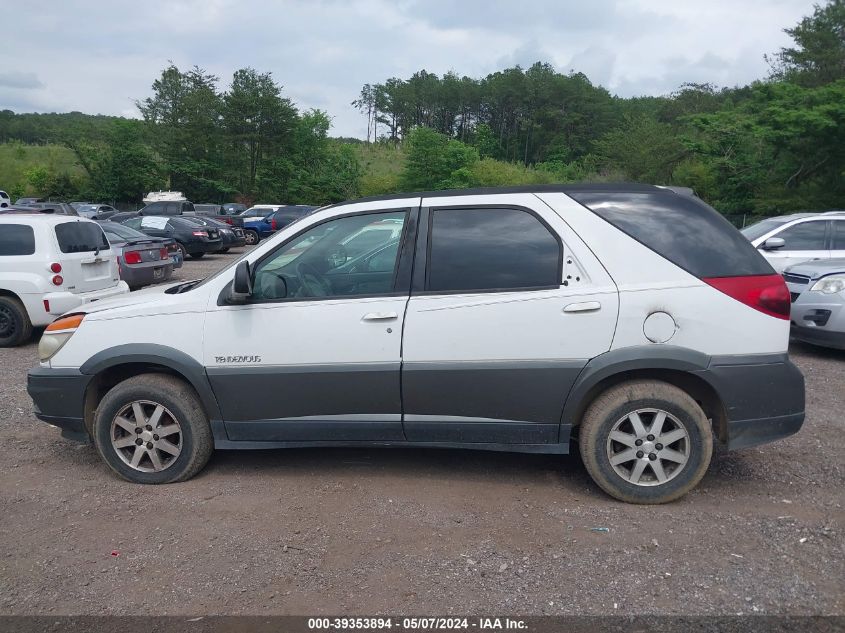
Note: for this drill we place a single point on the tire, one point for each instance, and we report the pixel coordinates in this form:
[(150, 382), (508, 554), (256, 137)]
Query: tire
[(179, 405), (252, 237), (616, 410), (197, 255), (223, 251), (15, 326), (182, 250)]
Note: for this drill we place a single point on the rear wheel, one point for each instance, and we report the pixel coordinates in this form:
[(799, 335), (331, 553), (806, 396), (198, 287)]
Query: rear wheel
[(15, 326), (646, 442), (182, 250), (151, 429), (251, 237)]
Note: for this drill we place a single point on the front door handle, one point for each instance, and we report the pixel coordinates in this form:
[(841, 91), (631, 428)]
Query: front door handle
[(380, 316), (588, 306)]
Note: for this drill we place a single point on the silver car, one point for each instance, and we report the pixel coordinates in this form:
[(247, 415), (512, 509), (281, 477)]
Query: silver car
[(817, 288)]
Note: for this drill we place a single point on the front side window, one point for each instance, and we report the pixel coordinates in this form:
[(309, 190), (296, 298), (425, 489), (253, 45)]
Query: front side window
[(345, 257), (81, 237), (16, 239), (491, 249), (807, 236)]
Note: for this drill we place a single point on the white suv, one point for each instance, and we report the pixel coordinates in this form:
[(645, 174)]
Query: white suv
[(792, 239), (632, 320), (48, 265)]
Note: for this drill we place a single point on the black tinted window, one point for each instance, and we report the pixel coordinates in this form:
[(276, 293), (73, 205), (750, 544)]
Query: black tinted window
[(485, 249), (838, 235), (682, 229), (81, 237), (16, 239), (807, 236)]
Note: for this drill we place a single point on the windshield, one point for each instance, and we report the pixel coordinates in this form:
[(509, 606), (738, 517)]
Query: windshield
[(754, 231)]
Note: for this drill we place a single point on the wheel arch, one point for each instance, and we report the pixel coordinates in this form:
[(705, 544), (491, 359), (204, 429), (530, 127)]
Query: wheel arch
[(681, 367), (114, 365)]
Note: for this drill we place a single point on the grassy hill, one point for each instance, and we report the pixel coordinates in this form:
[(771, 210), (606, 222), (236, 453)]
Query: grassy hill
[(16, 159)]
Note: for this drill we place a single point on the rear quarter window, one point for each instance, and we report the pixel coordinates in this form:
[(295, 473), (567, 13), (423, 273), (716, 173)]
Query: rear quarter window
[(81, 237), (681, 228), (16, 239)]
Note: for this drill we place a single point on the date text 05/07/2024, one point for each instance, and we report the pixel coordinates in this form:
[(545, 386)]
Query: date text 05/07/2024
[(417, 623)]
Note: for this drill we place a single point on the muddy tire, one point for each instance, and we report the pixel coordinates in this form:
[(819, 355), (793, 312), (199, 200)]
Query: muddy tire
[(152, 429), (646, 441)]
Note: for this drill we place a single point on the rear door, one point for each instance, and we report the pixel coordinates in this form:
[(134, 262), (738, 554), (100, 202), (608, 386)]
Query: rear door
[(506, 308), (87, 260)]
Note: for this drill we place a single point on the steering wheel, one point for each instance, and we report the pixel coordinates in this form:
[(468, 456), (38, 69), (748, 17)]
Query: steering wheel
[(311, 281)]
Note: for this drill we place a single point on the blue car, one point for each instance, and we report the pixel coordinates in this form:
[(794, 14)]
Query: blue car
[(256, 229)]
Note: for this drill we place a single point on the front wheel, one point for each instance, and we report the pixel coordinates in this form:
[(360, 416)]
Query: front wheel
[(151, 429), (251, 237), (646, 441)]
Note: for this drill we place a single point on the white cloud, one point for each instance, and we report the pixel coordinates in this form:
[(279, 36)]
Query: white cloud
[(100, 57)]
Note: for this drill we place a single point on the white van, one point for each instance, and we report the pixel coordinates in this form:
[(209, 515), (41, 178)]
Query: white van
[(50, 264), (631, 319)]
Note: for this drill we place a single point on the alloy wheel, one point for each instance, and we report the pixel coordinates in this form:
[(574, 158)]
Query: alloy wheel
[(648, 447), (146, 436)]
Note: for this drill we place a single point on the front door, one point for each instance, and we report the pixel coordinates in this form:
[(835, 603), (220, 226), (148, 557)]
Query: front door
[(502, 319), (315, 354), (802, 242)]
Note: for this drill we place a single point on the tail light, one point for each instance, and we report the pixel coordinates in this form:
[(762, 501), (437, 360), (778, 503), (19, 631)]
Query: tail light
[(200, 233), (273, 224), (228, 221), (766, 293), (132, 257), (56, 267), (162, 254), (172, 248), (57, 280)]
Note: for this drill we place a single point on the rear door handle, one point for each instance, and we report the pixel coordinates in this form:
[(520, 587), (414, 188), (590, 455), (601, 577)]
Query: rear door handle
[(380, 316), (588, 306)]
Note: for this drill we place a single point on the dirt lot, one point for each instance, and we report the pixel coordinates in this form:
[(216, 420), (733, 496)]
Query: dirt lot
[(418, 531)]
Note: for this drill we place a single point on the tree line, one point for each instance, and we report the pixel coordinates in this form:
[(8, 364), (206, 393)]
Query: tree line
[(774, 146)]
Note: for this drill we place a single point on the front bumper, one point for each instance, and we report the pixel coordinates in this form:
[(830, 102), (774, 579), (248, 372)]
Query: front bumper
[(58, 396), (763, 397), (819, 319)]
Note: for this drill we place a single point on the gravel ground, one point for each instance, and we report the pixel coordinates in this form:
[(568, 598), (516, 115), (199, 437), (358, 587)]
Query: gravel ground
[(418, 531)]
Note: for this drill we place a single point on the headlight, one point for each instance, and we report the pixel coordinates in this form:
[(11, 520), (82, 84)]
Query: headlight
[(57, 334), (829, 285)]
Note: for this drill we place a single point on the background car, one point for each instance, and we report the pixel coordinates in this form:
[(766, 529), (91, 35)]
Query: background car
[(95, 211), (5, 200), (817, 289), (232, 237), (796, 238), (50, 264), (234, 208), (141, 259), (193, 240), (57, 208), (259, 211), (287, 214), (169, 207), (217, 212), (28, 200)]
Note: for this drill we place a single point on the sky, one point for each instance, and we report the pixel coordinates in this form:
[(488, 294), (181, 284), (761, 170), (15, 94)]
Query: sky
[(99, 57)]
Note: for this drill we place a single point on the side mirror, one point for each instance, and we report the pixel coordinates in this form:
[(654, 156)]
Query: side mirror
[(241, 284), (773, 243)]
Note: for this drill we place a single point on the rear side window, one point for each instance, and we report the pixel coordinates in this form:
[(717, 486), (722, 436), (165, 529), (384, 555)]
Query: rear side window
[(838, 235), (491, 249), (81, 237), (807, 236), (683, 229), (16, 239)]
